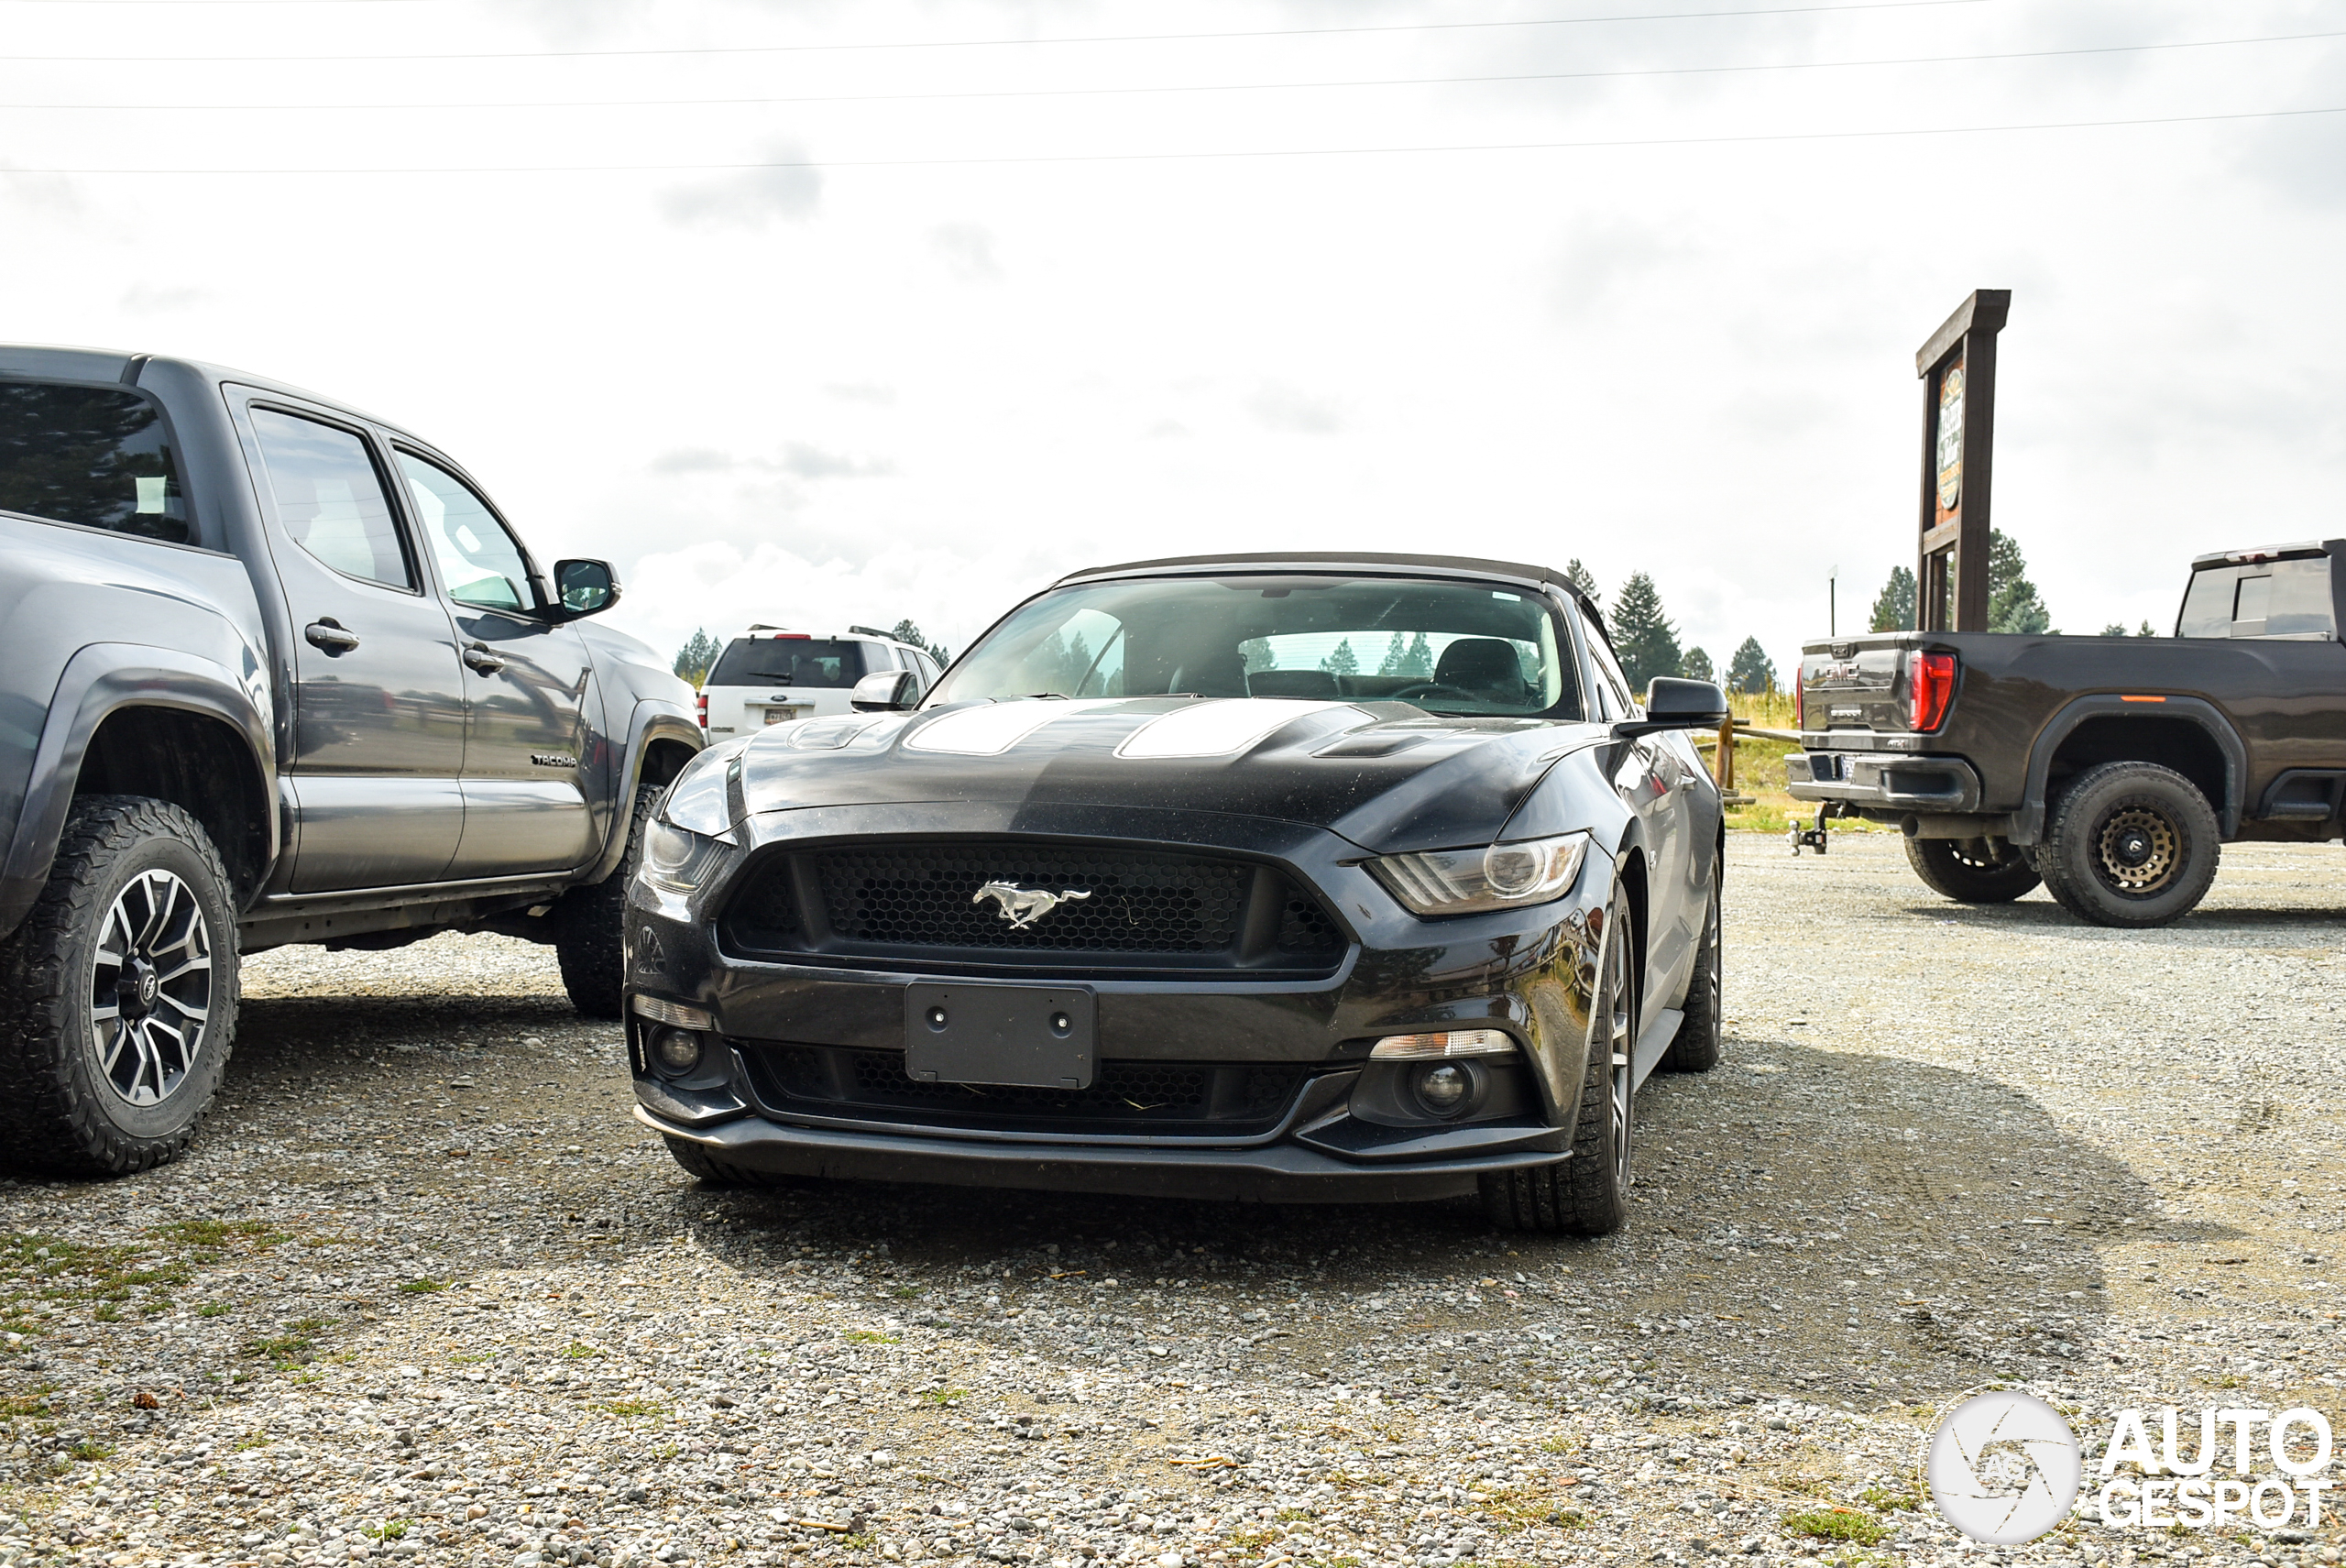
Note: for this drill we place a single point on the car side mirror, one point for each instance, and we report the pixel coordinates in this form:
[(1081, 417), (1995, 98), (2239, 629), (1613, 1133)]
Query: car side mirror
[(1674, 704), (885, 691), (583, 588)]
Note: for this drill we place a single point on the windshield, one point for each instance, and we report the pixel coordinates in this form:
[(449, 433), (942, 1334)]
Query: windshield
[(1448, 647)]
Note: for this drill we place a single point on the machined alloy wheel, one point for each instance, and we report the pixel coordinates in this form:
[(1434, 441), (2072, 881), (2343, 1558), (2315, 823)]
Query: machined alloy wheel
[(151, 989), (1615, 1010)]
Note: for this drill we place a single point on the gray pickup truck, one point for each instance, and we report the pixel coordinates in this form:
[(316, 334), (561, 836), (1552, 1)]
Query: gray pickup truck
[(274, 670)]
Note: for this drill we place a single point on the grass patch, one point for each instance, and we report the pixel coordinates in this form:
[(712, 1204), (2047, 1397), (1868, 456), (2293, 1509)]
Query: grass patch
[(1884, 1500), (868, 1336), (945, 1395), (33, 1403), (1837, 1524), (86, 1449), (578, 1349), (294, 1347), (389, 1529), (423, 1286), (634, 1408), (213, 1310), (253, 1440)]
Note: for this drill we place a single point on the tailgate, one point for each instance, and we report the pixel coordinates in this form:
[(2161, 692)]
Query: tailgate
[(1858, 685)]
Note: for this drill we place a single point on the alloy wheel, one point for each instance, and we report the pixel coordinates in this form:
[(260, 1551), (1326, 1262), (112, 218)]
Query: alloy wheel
[(150, 988), (1613, 1018), (2138, 848)]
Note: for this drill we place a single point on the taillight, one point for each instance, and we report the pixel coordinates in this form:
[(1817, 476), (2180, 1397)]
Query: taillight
[(1800, 700), (700, 706), (1930, 687)]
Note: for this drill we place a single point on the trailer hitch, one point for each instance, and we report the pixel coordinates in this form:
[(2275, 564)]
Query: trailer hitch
[(1810, 837)]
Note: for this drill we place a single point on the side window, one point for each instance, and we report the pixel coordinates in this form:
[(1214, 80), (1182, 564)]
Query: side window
[(479, 560), (95, 456), (1612, 685), (329, 498)]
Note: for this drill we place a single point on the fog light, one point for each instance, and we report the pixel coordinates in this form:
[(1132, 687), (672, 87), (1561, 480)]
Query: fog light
[(1443, 1088), (675, 1050)]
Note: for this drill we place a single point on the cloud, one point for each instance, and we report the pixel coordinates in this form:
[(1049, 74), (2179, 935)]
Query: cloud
[(966, 250), (813, 463), (751, 198), (149, 299), (862, 392), (694, 460), (1600, 257), (1295, 413)]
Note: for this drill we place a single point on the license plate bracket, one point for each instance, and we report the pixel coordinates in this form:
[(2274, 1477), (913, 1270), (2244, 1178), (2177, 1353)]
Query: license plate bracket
[(1025, 1036)]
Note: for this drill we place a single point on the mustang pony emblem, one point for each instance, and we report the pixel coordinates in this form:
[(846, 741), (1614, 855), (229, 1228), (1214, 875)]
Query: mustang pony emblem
[(1022, 906)]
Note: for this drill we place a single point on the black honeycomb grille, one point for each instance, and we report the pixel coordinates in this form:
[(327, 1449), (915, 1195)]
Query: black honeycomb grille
[(1137, 903), (1226, 1096)]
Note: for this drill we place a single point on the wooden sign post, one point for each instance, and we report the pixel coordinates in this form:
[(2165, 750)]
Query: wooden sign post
[(1958, 370)]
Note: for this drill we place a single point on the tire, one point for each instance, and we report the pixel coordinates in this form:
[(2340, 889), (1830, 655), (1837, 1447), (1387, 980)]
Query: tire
[(1588, 1193), (589, 938), (2131, 844), (1972, 871), (710, 1171), (1695, 1047), (119, 993)]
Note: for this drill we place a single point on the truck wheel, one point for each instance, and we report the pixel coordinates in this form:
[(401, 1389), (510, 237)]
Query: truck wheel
[(588, 941), (2132, 844), (1695, 1047), (710, 1171), (117, 993), (1972, 871), (1587, 1193)]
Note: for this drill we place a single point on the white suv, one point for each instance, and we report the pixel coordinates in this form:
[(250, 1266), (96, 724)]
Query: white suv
[(768, 674)]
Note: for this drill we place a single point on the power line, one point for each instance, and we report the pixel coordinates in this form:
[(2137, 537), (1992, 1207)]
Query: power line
[(1226, 87), (981, 43), (1071, 158)]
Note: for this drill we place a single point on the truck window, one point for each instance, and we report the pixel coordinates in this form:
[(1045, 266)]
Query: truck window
[(479, 560), (816, 662), (2265, 599), (94, 455), (328, 498)]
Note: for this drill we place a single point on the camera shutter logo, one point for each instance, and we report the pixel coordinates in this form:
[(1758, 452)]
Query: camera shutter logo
[(2004, 1468)]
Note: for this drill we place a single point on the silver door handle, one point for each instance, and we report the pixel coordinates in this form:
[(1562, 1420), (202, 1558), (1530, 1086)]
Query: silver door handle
[(481, 659), (330, 637)]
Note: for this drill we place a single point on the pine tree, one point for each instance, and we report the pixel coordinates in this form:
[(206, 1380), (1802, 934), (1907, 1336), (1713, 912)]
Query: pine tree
[(906, 630), (1751, 670), (2116, 628), (693, 660), (1343, 661), (1581, 577), (1643, 638), (1696, 665), (1893, 608), (2146, 631), (2013, 603)]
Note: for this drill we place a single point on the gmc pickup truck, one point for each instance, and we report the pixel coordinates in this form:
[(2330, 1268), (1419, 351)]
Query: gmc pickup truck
[(2112, 769), (274, 670)]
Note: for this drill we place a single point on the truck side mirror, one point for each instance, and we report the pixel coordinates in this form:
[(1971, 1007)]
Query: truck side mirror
[(1674, 704), (885, 691), (583, 587)]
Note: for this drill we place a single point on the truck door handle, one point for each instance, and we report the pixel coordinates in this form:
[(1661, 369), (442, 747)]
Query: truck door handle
[(481, 659), (328, 636)]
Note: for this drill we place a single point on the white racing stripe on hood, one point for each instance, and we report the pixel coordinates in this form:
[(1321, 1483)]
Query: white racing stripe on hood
[(1217, 728), (990, 730)]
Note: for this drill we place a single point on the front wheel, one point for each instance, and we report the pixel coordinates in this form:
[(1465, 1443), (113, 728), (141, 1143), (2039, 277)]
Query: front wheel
[(589, 939), (2131, 844), (117, 993), (1588, 1193), (1972, 871)]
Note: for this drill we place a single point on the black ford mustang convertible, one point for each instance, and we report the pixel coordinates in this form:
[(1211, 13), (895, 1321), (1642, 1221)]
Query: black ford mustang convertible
[(1277, 877)]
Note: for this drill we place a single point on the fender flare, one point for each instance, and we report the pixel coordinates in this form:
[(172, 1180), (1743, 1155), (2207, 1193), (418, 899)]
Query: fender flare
[(99, 681), (653, 720), (2028, 822)]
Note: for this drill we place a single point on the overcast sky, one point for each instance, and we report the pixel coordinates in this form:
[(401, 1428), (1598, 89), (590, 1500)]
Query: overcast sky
[(999, 307)]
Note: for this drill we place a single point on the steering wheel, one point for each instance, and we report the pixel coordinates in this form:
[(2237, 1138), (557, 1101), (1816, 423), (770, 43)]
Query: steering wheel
[(1432, 688)]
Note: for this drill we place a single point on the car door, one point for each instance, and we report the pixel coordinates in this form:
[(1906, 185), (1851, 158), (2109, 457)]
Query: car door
[(378, 707), (525, 683), (1651, 780)]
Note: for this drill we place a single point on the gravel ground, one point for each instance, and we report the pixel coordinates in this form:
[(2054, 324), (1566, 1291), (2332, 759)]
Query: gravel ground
[(423, 1290)]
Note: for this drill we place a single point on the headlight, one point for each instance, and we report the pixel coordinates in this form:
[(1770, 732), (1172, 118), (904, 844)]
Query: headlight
[(1501, 876), (676, 859)]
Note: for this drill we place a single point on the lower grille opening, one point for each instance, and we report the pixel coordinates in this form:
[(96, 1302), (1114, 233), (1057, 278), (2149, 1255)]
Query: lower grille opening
[(1220, 1098)]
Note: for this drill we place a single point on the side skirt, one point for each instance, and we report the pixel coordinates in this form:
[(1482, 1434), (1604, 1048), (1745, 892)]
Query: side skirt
[(1660, 1030)]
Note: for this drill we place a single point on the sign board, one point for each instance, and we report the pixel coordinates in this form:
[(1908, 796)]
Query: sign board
[(1958, 370)]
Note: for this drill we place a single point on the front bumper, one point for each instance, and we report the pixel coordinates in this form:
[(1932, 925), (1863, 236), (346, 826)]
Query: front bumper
[(1873, 781), (803, 1074)]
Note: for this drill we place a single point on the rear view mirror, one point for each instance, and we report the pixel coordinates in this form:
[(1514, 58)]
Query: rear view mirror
[(585, 588), (1673, 704), (885, 691)]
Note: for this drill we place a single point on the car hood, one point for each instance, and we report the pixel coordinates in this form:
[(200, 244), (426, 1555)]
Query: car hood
[(1388, 777)]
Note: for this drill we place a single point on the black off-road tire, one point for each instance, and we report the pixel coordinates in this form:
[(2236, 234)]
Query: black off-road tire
[(1588, 1193), (710, 1171), (58, 1109), (2111, 814), (589, 936), (1972, 871), (1695, 1047)]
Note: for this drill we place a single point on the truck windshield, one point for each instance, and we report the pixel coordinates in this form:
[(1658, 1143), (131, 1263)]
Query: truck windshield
[(94, 455), (2265, 599), (803, 662), (1448, 647)]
